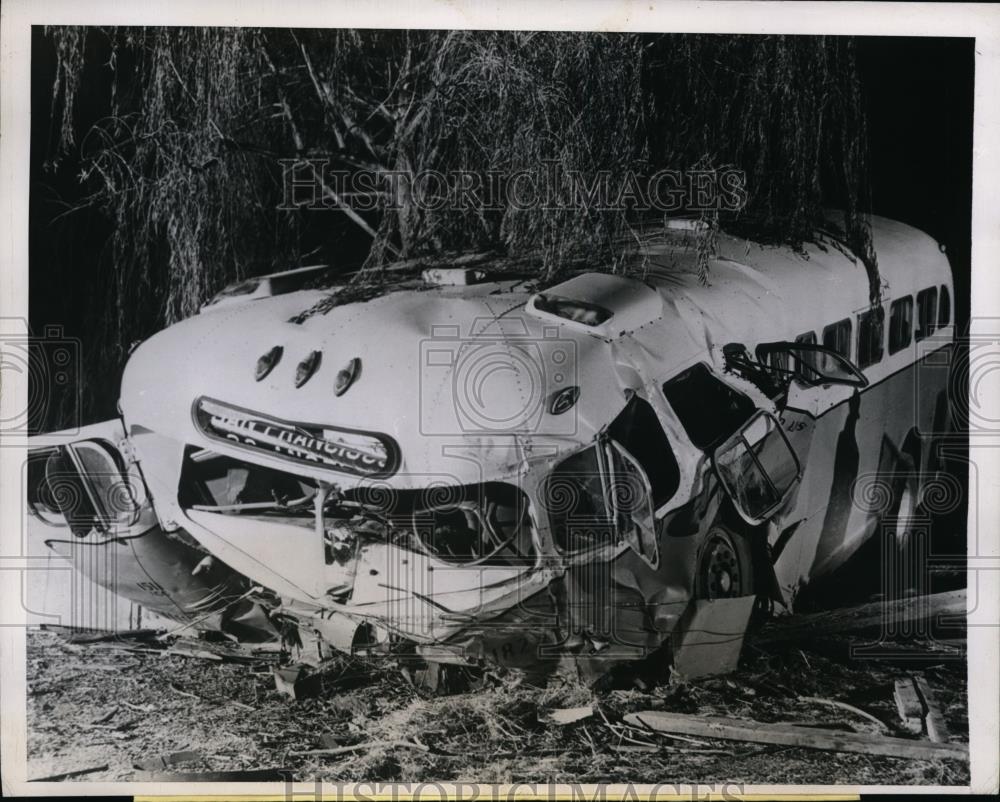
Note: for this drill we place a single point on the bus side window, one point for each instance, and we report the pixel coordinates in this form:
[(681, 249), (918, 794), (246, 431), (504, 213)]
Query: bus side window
[(708, 409), (808, 338), (871, 329), (780, 361), (837, 337), (944, 308), (900, 324), (926, 312)]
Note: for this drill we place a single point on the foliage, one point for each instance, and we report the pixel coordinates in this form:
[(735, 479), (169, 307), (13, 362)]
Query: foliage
[(187, 164), (785, 109)]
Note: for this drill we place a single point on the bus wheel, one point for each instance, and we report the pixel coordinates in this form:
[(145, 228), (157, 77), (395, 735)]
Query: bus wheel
[(725, 570)]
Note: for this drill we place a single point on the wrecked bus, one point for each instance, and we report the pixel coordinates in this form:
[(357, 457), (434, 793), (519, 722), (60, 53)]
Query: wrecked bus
[(467, 466)]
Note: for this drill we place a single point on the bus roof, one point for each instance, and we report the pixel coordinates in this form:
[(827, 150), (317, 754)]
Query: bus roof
[(466, 379)]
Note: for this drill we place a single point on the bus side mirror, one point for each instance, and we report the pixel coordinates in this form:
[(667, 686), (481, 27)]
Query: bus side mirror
[(757, 468), (777, 364)]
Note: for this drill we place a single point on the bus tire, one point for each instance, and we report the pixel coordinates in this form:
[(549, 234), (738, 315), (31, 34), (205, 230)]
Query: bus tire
[(725, 566)]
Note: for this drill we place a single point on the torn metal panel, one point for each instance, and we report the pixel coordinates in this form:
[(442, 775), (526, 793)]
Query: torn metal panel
[(711, 638), (288, 558), (133, 557), (465, 465)]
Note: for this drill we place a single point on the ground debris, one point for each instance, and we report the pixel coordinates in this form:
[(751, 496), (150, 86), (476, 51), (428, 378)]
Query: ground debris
[(932, 609), (937, 729), (106, 717), (165, 761), (125, 635), (566, 715), (919, 709), (67, 775), (223, 651), (340, 750), (243, 775), (793, 735), (232, 715), (908, 704), (844, 706)]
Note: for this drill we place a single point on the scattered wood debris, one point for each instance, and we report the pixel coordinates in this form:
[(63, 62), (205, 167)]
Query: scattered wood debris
[(919, 709), (946, 610), (937, 729), (911, 711), (244, 775), (106, 717), (166, 761), (349, 730), (185, 649), (212, 700), (178, 689), (120, 635), (791, 735), (223, 652), (566, 715), (340, 750), (844, 706)]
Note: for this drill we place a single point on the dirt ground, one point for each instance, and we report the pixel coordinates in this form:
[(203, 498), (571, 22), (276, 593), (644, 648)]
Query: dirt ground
[(91, 705)]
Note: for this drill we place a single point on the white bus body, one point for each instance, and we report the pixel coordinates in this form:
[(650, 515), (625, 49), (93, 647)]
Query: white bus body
[(485, 470)]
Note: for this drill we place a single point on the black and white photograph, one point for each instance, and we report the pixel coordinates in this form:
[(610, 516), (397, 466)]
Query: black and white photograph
[(588, 401)]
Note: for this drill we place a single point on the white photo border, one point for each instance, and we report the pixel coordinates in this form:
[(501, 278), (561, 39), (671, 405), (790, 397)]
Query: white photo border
[(848, 18)]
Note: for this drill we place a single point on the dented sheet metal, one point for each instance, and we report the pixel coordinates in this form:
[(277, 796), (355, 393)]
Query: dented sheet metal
[(711, 640), (490, 470)]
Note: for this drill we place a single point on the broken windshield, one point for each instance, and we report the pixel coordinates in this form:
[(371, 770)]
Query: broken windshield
[(577, 504), (603, 495), (485, 523), (597, 497)]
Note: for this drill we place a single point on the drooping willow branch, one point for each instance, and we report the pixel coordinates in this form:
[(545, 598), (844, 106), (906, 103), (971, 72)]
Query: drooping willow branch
[(187, 163)]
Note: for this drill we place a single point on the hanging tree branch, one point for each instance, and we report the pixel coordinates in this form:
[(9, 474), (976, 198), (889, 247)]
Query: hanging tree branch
[(186, 166)]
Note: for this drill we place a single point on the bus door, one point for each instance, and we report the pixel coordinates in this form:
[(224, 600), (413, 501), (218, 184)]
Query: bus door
[(806, 381), (803, 379)]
